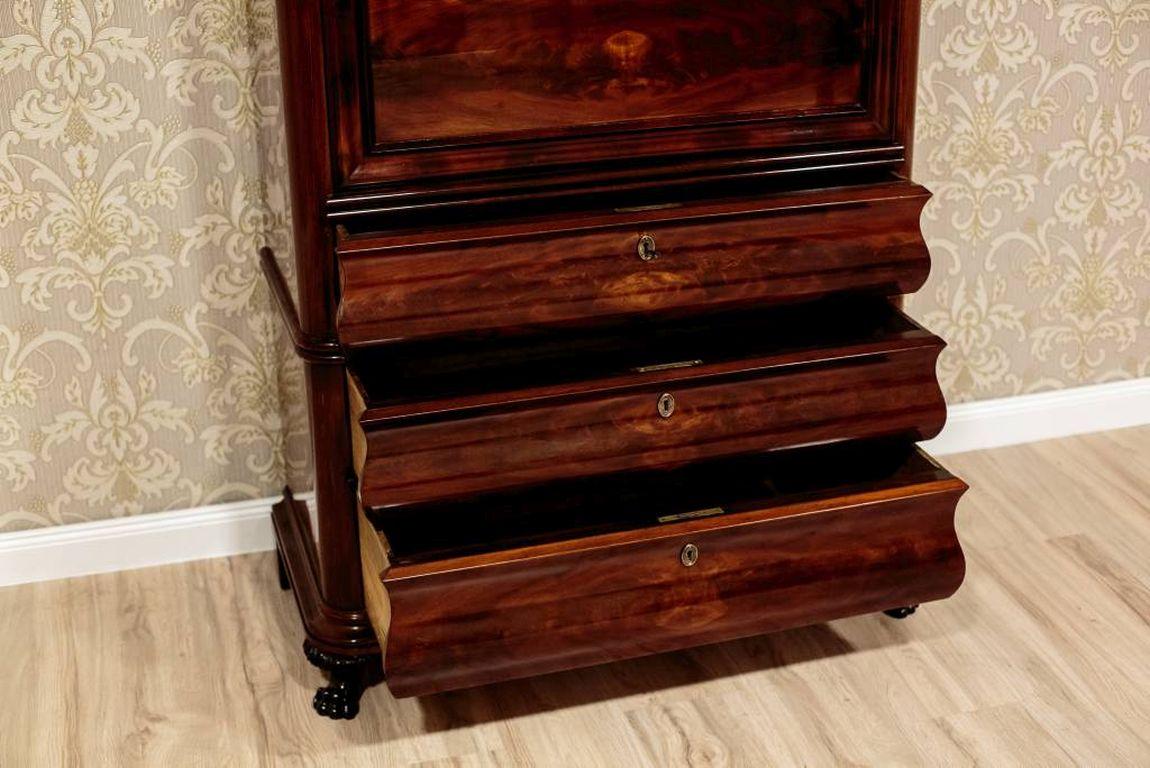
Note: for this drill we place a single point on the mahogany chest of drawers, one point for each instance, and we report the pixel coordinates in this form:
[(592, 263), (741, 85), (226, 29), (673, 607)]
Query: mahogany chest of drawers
[(599, 308)]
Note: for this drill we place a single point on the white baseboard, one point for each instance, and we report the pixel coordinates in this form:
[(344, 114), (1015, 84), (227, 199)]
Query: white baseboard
[(245, 526), (1043, 416), (125, 543)]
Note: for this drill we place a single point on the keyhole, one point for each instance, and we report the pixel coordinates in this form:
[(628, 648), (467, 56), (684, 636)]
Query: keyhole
[(666, 405), (689, 556), (647, 248)]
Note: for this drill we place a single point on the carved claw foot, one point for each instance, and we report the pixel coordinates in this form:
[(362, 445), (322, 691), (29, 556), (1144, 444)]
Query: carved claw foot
[(901, 613), (339, 700), (281, 569)]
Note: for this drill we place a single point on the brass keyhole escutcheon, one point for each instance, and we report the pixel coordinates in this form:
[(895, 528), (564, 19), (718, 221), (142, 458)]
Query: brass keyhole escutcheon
[(689, 556), (647, 249), (666, 405)]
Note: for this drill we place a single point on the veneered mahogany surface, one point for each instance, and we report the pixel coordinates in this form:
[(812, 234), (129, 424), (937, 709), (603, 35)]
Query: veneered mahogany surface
[(394, 126), (543, 421), (439, 91), (774, 561), (783, 247), (472, 69)]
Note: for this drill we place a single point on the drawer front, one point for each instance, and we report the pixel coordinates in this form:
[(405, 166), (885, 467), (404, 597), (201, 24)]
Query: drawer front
[(475, 620), (560, 439), (648, 265)]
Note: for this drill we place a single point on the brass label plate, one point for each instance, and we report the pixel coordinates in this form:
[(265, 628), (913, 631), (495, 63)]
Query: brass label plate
[(693, 514), (667, 366)]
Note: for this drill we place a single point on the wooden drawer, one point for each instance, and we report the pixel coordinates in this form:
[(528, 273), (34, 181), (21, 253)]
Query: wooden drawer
[(612, 569), (453, 422), (701, 257)]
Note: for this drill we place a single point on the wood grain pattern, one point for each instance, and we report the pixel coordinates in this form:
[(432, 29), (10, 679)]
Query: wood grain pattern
[(406, 465), (329, 627), (434, 448), (712, 256), (331, 603), (437, 124), (475, 619), (374, 561), (1042, 658), (713, 81), (450, 71)]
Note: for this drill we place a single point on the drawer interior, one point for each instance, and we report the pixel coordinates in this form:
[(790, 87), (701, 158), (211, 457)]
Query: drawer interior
[(389, 377), (578, 574), (565, 512)]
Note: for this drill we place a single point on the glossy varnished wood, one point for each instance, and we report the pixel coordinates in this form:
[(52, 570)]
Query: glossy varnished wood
[(435, 89), (445, 71), (708, 255), (487, 170), (551, 441), (329, 627), (330, 595), (461, 621), (562, 426)]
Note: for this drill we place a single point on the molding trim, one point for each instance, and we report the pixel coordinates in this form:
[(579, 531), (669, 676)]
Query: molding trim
[(245, 526), (1043, 416), (123, 543)]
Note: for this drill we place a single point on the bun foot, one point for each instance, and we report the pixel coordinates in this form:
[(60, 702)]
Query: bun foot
[(340, 700), (901, 613)]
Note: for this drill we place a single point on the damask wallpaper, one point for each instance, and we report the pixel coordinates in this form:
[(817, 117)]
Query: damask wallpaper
[(1031, 133), (141, 166)]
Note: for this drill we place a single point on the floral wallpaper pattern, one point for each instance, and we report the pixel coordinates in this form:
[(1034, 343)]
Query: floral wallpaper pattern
[(1031, 131), (142, 165)]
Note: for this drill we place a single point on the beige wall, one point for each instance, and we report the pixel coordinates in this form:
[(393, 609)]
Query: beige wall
[(1032, 134), (140, 168), (141, 368)]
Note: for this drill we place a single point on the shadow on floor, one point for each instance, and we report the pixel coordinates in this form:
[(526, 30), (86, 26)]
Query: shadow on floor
[(635, 677), (562, 690)]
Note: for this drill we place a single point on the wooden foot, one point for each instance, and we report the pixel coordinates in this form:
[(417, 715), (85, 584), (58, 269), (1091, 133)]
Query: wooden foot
[(340, 699), (348, 676), (901, 613), (281, 568)]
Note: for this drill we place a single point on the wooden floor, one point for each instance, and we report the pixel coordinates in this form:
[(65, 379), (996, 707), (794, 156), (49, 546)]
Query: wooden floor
[(1042, 658)]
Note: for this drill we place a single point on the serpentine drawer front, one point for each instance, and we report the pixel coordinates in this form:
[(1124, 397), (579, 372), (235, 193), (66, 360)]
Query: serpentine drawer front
[(784, 247), (573, 280), (654, 397), (656, 563)]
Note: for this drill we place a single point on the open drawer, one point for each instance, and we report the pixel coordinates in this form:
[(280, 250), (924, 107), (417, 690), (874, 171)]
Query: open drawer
[(688, 258), (452, 420), (595, 571)]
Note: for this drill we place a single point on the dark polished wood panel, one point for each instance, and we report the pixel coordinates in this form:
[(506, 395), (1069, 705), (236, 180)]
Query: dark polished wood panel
[(711, 255), (542, 243), (330, 596), (468, 70), (734, 395), (438, 90), (466, 372), (779, 561)]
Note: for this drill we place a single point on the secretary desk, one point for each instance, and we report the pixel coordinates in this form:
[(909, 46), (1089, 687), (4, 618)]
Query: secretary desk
[(599, 305)]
